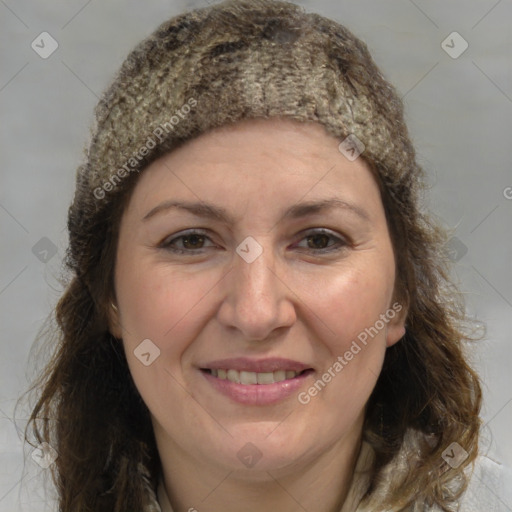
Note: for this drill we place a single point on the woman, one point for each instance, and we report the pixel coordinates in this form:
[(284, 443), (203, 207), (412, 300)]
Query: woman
[(259, 315)]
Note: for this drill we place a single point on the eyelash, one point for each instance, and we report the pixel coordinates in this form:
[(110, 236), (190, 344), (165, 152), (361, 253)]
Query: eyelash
[(340, 244)]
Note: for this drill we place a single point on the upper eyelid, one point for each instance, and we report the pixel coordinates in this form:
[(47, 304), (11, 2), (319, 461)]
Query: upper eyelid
[(187, 232), (302, 234)]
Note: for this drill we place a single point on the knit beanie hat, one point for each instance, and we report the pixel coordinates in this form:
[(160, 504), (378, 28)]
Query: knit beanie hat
[(243, 59)]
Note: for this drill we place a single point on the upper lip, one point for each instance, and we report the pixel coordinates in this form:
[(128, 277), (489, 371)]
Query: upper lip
[(256, 365)]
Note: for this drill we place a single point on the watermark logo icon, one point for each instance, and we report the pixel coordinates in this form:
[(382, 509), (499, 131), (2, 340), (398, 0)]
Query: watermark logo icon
[(455, 455), (147, 352), (44, 250), (454, 45), (455, 249), (507, 192), (351, 147), (44, 455), (249, 249), (44, 45), (249, 455)]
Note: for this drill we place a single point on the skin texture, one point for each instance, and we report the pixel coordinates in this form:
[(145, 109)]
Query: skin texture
[(290, 302)]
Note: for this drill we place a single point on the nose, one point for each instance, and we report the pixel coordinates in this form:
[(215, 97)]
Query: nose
[(258, 301)]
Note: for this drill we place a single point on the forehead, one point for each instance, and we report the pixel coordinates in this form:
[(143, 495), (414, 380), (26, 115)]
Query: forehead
[(256, 160)]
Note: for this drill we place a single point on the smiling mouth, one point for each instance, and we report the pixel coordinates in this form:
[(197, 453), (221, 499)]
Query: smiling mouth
[(251, 378)]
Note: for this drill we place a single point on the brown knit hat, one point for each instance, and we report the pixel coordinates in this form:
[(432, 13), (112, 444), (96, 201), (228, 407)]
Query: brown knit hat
[(243, 59)]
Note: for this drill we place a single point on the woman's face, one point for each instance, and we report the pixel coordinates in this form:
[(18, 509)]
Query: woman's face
[(254, 283)]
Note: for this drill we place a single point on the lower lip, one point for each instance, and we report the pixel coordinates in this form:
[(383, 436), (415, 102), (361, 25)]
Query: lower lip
[(257, 394)]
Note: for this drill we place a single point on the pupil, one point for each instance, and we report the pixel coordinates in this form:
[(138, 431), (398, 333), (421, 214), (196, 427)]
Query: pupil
[(316, 237), (193, 238)]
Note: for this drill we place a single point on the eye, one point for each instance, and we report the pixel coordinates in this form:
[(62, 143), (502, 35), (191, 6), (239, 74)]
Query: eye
[(190, 241), (193, 241), (318, 241)]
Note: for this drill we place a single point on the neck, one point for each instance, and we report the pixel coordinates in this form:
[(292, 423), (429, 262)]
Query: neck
[(320, 483)]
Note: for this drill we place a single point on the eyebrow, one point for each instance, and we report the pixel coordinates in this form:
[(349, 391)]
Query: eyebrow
[(207, 210)]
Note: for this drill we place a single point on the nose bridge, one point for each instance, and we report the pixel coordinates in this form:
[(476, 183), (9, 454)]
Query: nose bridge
[(255, 278), (256, 301)]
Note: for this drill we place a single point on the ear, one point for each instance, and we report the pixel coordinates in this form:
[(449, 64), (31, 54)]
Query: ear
[(114, 325), (396, 326)]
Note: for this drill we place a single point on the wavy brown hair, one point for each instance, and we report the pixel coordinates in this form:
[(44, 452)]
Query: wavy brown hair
[(87, 406)]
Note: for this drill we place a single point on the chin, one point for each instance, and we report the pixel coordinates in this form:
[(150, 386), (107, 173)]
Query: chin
[(265, 447)]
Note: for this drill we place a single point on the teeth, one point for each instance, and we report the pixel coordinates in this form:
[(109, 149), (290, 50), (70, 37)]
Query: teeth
[(233, 376), (248, 378), (265, 378), (279, 375), (244, 377)]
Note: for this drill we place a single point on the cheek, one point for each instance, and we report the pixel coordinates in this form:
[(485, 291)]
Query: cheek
[(352, 301), (165, 307), (351, 304), (161, 304)]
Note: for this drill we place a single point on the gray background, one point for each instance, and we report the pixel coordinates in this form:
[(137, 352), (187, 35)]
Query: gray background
[(459, 112)]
